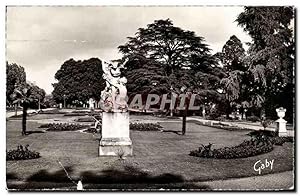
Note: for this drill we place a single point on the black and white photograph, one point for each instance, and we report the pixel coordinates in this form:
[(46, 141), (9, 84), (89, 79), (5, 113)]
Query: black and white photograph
[(150, 98)]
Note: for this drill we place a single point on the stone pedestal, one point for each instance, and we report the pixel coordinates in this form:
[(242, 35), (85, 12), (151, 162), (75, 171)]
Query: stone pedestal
[(281, 127), (115, 139)]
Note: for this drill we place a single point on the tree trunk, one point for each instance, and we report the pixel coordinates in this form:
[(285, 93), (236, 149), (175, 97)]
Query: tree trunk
[(184, 121), (185, 111), (24, 119), (16, 109)]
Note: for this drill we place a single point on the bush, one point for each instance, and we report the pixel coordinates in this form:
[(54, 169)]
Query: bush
[(272, 135), (145, 126), (253, 118), (22, 153), (63, 127)]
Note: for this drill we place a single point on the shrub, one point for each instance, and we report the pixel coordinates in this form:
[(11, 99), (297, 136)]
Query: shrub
[(145, 126), (272, 135), (21, 153), (265, 123), (253, 118), (62, 127)]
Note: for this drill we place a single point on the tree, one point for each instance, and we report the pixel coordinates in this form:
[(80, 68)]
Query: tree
[(22, 94), (271, 56), (169, 57), (15, 75), (79, 80), (169, 45), (178, 56), (232, 57), (37, 94)]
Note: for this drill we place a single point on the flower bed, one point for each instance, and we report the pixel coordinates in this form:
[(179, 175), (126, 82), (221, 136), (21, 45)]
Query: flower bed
[(54, 111), (260, 143), (21, 153), (63, 127), (145, 126)]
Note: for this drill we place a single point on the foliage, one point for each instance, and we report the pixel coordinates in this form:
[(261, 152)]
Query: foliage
[(253, 118), (163, 55), (62, 127), (23, 95), (266, 122), (271, 57), (78, 80), (145, 126), (37, 94), (21, 153), (247, 148), (15, 76), (232, 83)]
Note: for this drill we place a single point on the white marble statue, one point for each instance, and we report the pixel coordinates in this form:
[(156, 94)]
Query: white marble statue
[(114, 95)]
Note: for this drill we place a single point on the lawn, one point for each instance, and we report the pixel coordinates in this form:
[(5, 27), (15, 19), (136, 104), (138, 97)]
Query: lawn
[(159, 158)]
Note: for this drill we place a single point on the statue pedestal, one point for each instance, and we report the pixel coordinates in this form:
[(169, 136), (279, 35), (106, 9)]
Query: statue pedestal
[(281, 127), (115, 139)]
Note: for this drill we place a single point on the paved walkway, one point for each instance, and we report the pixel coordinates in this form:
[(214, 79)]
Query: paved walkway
[(29, 111), (247, 125)]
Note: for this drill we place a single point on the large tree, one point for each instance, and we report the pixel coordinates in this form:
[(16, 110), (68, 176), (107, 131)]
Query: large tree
[(167, 55), (271, 57), (37, 94), (79, 80), (170, 58), (15, 75), (233, 84)]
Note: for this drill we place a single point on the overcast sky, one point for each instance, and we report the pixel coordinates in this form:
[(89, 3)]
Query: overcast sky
[(41, 38)]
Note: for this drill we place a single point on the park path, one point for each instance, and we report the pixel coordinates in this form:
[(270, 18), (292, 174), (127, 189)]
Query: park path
[(246, 125), (12, 113)]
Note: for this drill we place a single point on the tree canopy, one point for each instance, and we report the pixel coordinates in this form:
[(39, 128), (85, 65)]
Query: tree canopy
[(167, 55), (15, 75), (271, 55), (79, 80)]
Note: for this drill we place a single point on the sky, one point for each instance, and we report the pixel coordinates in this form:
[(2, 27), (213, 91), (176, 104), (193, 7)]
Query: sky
[(41, 39)]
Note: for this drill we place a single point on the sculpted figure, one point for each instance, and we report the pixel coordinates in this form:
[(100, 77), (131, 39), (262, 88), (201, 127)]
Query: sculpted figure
[(115, 92)]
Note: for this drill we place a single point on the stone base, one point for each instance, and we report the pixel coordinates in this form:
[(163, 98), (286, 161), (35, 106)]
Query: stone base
[(115, 147), (115, 139)]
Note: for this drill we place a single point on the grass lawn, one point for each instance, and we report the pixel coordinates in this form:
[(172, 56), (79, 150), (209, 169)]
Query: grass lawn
[(159, 158)]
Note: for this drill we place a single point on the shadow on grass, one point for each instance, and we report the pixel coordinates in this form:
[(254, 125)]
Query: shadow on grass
[(44, 176), (32, 132), (11, 176), (171, 131), (128, 179)]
